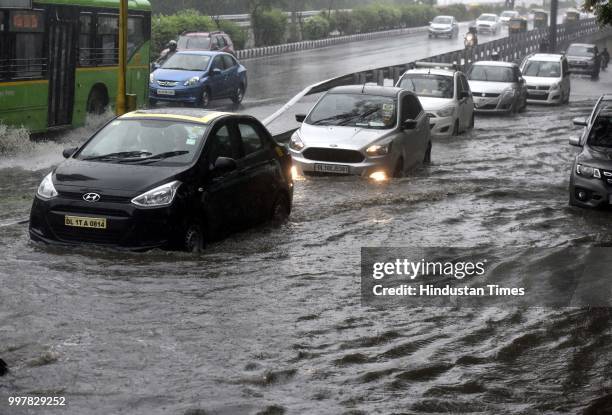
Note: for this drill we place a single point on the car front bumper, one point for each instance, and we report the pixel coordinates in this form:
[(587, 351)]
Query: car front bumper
[(127, 226), (550, 97), (588, 68), (497, 104), (181, 94), (598, 193), (365, 168), (439, 32)]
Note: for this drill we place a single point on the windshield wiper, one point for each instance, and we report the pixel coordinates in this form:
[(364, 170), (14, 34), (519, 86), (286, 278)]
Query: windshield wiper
[(119, 155), (358, 117), (157, 157), (334, 117)]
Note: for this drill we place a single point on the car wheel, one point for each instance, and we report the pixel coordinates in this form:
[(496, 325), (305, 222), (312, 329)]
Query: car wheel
[(193, 239), (205, 98), (595, 74), (472, 121), (524, 106), (567, 97), (456, 128), (238, 95), (427, 158), (280, 209), (398, 171)]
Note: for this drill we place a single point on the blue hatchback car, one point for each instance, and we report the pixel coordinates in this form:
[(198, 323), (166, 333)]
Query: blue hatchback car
[(197, 77)]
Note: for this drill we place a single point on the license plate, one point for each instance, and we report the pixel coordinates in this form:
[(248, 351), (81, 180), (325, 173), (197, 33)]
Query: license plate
[(331, 168), (84, 222), (165, 92)]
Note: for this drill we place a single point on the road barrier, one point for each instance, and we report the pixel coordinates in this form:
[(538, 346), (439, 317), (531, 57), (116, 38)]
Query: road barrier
[(511, 48)]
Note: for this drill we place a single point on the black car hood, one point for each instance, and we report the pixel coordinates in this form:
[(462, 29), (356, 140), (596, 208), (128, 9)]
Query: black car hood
[(596, 158), (120, 178)]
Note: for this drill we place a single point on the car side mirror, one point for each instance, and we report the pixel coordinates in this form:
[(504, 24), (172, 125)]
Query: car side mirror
[(68, 152), (224, 165), (300, 117), (574, 140), (409, 124), (216, 71), (580, 122)]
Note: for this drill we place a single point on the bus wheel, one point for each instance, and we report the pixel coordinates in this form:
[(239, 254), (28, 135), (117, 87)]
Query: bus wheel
[(97, 101)]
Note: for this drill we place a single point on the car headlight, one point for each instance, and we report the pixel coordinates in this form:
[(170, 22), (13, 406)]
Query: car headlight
[(193, 81), (151, 78), (296, 142), (46, 190), (588, 171), (160, 196), (378, 149), (509, 92), (446, 111)]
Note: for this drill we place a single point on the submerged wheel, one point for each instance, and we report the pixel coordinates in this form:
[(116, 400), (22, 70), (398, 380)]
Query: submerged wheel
[(398, 171), (427, 158), (456, 128), (471, 122), (238, 95), (193, 239), (280, 209), (205, 98), (567, 97)]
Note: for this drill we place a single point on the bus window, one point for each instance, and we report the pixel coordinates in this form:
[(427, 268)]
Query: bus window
[(86, 57), (26, 60), (135, 34), (108, 39)]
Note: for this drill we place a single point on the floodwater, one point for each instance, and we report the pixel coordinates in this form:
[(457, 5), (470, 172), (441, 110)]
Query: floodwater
[(270, 321)]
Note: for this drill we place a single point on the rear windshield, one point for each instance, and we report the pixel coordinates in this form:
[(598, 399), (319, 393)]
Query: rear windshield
[(487, 17), (542, 69), (438, 86), (194, 42), (165, 142), (580, 50), (491, 73), (601, 133)]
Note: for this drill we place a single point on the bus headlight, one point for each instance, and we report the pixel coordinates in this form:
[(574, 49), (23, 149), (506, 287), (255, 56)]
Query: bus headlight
[(46, 190)]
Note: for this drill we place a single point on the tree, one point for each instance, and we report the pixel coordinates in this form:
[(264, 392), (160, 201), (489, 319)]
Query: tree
[(602, 9)]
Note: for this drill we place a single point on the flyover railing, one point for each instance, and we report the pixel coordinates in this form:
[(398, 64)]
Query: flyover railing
[(511, 48)]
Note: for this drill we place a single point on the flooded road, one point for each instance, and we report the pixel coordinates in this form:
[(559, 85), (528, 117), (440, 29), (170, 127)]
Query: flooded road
[(270, 321)]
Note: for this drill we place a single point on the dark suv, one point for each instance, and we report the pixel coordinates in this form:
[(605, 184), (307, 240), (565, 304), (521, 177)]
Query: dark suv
[(218, 41), (169, 178), (584, 58), (591, 176)]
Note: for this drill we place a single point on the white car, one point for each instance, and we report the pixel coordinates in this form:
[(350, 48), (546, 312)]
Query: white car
[(548, 78), (446, 97), (505, 16), (488, 23), (371, 131)]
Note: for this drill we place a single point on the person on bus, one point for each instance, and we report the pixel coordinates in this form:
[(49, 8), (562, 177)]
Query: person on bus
[(167, 53)]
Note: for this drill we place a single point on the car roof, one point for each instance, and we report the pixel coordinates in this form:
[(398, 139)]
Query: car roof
[(586, 45), (488, 14), (510, 11), (201, 52), (386, 91), (199, 116), (444, 15), (432, 71), (203, 33), (546, 57), (495, 63)]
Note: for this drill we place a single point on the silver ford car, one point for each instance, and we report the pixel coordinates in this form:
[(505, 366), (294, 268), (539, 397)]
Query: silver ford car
[(371, 131), (497, 87)]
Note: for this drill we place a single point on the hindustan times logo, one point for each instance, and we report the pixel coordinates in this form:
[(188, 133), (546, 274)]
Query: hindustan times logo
[(414, 269)]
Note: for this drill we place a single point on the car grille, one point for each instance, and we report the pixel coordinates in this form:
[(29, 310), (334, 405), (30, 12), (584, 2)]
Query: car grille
[(538, 97), (167, 83), (96, 236), (486, 94), (333, 155), (103, 197), (487, 107), (538, 88)]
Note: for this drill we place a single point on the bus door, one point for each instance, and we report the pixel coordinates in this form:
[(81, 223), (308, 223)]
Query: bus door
[(63, 40)]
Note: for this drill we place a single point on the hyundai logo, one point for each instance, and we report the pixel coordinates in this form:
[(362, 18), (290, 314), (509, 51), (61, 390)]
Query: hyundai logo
[(91, 197)]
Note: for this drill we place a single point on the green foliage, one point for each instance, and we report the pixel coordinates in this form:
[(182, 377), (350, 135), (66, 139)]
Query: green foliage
[(235, 32), (269, 26), (345, 23), (165, 28), (316, 27)]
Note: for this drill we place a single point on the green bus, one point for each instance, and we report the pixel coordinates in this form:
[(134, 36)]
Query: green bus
[(59, 59)]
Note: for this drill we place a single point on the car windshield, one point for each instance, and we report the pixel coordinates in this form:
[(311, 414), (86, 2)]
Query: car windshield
[(542, 69), (145, 142), (442, 20), (355, 110), (187, 62), (487, 17), (601, 133), (438, 86), (575, 50), (491, 73), (194, 42)]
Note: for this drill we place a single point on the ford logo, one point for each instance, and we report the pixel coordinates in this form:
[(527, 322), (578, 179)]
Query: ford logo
[(91, 197)]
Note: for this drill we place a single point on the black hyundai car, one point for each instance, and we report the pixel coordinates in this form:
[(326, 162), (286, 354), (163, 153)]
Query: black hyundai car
[(165, 178), (591, 176)]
